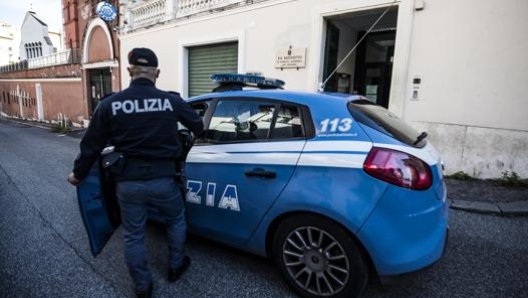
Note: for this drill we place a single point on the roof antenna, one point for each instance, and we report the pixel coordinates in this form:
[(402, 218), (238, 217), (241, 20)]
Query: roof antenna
[(323, 84)]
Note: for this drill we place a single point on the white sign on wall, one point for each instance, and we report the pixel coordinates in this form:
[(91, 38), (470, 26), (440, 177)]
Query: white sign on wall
[(290, 58)]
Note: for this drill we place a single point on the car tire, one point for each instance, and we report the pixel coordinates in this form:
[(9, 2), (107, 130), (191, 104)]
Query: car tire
[(319, 258)]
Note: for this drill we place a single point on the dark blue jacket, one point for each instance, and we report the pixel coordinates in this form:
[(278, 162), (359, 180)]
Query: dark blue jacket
[(141, 122)]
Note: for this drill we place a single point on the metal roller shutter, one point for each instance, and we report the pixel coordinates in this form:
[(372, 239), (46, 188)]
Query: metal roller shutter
[(207, 60)]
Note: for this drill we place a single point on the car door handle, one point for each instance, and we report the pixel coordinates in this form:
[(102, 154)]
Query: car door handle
[(259, 172)]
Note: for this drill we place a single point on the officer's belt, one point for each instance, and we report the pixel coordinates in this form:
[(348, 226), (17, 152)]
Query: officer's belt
[(141, 169)]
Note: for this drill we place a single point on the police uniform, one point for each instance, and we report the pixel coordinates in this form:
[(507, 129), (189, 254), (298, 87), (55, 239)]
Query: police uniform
[(141, 122)]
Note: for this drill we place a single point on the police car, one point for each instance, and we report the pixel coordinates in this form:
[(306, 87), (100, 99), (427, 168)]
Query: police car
[(332, 187)]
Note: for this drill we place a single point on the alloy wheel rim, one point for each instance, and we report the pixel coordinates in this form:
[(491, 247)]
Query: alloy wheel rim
[(316, 261)]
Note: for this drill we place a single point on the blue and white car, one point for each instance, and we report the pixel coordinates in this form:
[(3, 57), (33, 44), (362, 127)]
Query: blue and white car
[(330, 186)]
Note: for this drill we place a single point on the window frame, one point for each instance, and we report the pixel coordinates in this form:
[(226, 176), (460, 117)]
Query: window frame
[(307, 125)]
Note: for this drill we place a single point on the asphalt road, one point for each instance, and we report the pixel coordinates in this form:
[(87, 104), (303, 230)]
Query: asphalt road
[(44, 251)]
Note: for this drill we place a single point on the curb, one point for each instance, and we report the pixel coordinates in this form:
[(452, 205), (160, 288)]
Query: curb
[(41, 126), (31, 124), (518, 208)]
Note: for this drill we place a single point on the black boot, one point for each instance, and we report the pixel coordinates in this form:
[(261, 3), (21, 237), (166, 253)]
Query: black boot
[(175, 273), (145, 294)]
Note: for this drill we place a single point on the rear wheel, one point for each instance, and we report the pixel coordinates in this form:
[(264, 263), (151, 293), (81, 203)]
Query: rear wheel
[(318, 258)]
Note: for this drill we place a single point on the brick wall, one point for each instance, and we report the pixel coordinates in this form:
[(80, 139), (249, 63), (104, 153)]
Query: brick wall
[(99, 49), (57, 71), (65, 88), (62, 93)]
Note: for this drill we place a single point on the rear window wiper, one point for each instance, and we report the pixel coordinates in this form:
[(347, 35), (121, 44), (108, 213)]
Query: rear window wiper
[(422, 136)]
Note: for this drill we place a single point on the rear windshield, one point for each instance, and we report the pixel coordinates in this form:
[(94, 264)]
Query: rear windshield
[(382, 120)]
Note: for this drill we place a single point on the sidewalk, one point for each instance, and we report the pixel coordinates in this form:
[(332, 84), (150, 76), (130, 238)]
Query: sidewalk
[(486, 196), (43, 125), (481, 196)]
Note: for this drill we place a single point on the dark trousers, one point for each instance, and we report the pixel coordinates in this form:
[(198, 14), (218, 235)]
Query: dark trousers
[(164, 194)]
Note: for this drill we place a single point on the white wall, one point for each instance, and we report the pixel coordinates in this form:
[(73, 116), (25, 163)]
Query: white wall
[(32, 31), (56, 39), (9, 38), (471, 56), (473, 62), (263, 31)]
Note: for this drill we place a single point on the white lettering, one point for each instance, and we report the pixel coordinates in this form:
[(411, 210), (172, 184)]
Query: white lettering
[(116, 105), (229, 198), (128, 106), (137, 109), (209, 198), (332, 125), (146, 105), (193, 188), (167, 105), (152, 104)]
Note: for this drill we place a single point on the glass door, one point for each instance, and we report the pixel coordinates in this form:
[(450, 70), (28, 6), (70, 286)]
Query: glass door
[(100, 84), (373, 72)]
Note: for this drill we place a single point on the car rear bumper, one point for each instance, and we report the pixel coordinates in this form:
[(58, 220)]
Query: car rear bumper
[(395, 278), (406, 232)]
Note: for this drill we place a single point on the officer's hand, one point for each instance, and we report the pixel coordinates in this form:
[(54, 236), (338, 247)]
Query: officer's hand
[(73, 181)]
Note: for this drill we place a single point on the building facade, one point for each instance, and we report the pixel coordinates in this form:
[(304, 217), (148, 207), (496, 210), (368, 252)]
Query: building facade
[(44, 83), (9, 42), (35, 41), (99, 44), (436, 64), (62, 85)]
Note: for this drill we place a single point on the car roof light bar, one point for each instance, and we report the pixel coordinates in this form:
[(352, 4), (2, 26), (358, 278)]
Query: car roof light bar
[(248, 80)]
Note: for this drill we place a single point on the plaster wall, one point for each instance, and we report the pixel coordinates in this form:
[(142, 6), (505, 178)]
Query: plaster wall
[(33, 32), (473, 68), (62, 93), (479, 152), (472, 97)]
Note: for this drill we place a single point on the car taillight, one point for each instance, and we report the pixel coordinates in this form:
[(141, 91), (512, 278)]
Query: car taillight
[(398, 168)]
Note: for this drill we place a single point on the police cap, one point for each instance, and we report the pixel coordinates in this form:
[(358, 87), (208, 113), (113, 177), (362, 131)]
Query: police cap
[(142, 57)]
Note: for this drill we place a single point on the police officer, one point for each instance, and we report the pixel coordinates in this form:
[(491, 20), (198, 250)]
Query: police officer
[(142, 123)]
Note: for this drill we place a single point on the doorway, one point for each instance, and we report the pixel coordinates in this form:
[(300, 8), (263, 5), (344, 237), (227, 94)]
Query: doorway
[(368, 70), (99, 84), (373, 72)]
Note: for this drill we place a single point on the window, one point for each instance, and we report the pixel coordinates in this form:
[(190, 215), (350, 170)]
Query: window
[(235, 120), (240, 120), (288, 124), (200, 108), (384, 121)]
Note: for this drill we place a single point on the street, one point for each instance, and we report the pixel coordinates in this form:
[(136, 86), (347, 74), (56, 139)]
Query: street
[(44, 251)]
